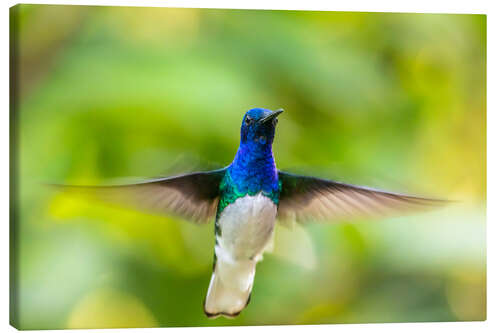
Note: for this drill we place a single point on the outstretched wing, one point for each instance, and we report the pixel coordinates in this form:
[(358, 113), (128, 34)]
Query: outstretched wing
[(305, 198), (192, 196)]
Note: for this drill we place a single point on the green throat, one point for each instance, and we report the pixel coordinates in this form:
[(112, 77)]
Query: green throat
[(229, 193)]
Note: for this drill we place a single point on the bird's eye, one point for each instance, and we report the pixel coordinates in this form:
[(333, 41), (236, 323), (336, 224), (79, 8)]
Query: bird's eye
[(248, 120)]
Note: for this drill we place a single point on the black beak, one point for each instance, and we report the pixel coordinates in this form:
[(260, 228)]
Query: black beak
[(271, 116)]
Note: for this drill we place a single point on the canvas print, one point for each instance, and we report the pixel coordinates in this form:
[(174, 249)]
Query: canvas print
[(207, 167)]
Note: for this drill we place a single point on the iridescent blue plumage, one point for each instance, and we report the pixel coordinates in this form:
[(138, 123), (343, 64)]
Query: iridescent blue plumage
[(253, 169)]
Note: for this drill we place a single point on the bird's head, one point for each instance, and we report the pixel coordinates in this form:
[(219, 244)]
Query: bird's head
[(258, 126)]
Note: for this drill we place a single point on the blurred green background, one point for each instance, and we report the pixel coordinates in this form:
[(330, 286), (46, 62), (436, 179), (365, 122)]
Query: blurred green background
[(396, 101)]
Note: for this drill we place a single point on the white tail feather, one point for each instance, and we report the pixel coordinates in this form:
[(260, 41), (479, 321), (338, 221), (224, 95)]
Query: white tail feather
[(230, 287)]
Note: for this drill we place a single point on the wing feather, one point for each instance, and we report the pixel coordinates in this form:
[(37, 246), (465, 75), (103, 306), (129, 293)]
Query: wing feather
[(306, 198), (192, 196)]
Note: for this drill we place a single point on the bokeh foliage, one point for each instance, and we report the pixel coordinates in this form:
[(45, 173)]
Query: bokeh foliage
[(390, 100)]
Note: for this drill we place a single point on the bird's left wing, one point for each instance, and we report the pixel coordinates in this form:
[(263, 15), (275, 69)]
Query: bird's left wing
[(192, 196), (304, 198)]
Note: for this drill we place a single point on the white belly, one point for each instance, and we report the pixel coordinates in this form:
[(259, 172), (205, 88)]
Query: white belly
[(246, 227)]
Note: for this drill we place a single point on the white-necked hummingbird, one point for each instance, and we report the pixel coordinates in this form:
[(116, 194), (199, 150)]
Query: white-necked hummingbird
[(246, 199)]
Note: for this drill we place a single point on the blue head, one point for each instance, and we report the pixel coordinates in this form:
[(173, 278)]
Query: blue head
[(258, 127), (253, 168)]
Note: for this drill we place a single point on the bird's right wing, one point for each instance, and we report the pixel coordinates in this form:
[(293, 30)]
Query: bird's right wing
[(303, 199), (192, 196)]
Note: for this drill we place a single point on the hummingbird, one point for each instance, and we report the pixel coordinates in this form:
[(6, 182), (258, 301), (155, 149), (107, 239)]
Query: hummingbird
[(246, 199)]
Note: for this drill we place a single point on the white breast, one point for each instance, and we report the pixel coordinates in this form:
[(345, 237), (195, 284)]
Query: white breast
[(246, 227)]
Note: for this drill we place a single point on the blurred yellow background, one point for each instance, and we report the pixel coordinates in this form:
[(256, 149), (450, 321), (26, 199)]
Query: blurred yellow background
[(396, 101)]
